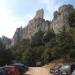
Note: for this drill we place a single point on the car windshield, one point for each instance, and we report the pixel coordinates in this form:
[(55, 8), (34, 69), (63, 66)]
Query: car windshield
[(1, 69), (73, 73), (64, 67), (58, 66), (19, 66)]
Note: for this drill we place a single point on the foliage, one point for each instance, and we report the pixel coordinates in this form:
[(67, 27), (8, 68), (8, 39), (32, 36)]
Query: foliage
[(37, 39), (27, 57), (6, 56), (1, 45), (46, 56), (48, 36), (72, 54), (72, 19)]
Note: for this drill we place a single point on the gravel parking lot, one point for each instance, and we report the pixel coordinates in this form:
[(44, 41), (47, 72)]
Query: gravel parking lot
[(38, 71)]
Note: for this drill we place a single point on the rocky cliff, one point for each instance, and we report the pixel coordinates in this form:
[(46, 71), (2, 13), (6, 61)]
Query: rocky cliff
[(6, 41), (17, 36), (60, 21), (38, 23)]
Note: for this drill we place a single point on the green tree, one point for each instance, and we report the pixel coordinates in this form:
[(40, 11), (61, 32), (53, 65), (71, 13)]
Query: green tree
[(72, 19), (48, 36), (46, 56), (20, 48), (72, 54), (37, 53), (65, 43), (6, 56), (27, 57), (37, 39)]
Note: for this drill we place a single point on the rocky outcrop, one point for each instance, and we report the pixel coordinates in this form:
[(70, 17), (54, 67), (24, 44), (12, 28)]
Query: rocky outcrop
[(38, 23), (60, 21), (17, 36), (40, 14), (6, 41), (34, 25)]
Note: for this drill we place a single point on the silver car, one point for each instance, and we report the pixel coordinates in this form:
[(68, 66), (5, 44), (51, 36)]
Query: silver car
[(73, 73), (67, 69)]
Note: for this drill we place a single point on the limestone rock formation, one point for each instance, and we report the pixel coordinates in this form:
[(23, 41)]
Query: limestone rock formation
[(38, 23), (60, 21), (17, 36), (34, 26), (6, 41), (39, 13)]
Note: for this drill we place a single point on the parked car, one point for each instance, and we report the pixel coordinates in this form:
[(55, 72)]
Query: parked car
[(12, 70), (3, 71), (67, 69), (73, 73), (55, 70), (52, 70), (22, 68)]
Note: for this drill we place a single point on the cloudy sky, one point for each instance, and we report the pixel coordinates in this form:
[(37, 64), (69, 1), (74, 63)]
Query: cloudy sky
[(16, 13)]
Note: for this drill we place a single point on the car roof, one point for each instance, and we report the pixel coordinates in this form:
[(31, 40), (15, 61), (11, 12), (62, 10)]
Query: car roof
[(9, 66), (18, 64), (1, 67), (65, 67)]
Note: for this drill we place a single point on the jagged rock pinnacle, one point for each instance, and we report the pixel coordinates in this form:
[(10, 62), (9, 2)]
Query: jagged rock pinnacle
[(40, 13)]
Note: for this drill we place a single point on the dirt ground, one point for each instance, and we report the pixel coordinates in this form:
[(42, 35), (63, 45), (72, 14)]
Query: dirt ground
[(38, 71), (43, 70)]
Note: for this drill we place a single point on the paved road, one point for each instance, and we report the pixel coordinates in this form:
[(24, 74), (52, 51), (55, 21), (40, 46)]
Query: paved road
[(38, 71)]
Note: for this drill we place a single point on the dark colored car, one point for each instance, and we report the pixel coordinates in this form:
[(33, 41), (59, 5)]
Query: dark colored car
[(55, 70), (22, 68), (3, 71), (67, 69), (12, 70)]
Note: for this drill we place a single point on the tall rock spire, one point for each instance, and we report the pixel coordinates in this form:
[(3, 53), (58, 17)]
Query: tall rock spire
[(40, 13)]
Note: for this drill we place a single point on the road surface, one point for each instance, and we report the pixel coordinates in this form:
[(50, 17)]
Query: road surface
[(38, 71)]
